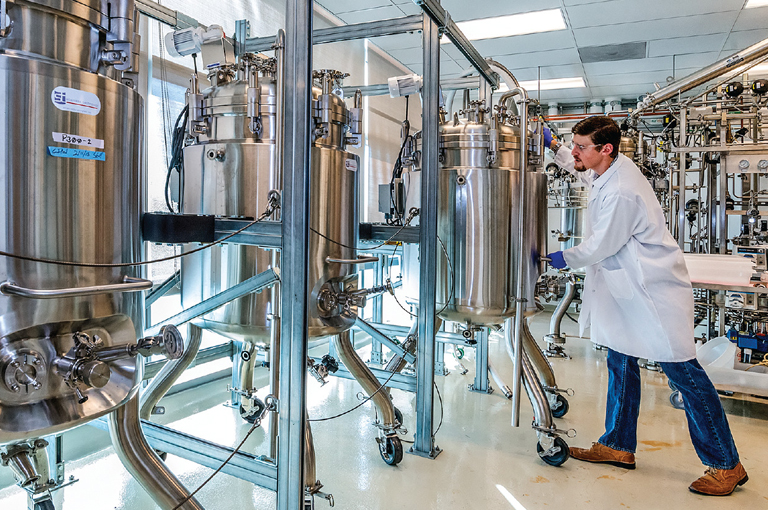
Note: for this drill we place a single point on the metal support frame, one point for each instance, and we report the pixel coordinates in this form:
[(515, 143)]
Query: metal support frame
[(347, 32), (297, 98), (377, 356), (380, 337), (441, 17), (173, 19), (440, 336), (245, 466), (481, 363), (256, 283), (424, 441)]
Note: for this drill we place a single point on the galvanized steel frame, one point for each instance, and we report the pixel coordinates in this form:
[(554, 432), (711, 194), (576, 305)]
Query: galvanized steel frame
[(287, 477)]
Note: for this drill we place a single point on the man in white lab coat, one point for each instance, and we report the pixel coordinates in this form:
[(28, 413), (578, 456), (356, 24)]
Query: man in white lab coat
[(639, 303)]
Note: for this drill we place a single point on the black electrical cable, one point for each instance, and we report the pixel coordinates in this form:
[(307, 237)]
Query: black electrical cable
[(358, 406), (569, 316), (177, 154), (440, 398), (237, 449)]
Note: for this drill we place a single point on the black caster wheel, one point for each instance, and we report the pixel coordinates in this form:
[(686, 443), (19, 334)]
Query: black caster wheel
[(251, 415), (398, 416), (555, 458), (676, 399), (561, 407), (391, 450), (45, 505)]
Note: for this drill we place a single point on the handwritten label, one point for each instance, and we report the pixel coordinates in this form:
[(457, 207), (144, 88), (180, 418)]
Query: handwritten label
[(66, 152), (74, 100), (351, 165), (78, 140)]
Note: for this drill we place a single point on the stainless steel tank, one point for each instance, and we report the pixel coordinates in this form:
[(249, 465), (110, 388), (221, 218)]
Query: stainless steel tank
[(229, 170), (478, 219), (71, 186)]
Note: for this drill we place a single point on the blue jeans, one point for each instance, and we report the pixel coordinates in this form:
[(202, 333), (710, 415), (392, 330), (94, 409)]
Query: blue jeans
[(707, 423)]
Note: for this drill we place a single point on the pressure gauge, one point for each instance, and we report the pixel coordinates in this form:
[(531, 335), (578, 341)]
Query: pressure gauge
[(743, 164), (763, 165)]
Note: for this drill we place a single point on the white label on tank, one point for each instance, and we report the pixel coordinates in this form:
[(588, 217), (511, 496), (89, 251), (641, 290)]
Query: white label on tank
[(351, 165), (78, 140), (74, 100)]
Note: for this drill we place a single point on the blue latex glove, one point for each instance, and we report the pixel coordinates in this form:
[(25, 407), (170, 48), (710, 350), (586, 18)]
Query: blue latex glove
[(547, 137), (556, 260)]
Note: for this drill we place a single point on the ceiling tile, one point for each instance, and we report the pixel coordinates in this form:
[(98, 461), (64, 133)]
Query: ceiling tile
[(738, 41), (338, 6), (751, 19), (681, 45), (632, 11), (399, 41), (462, 10), (379, 13), (410, 8), (540, 58), (658, 29), (549, 41)]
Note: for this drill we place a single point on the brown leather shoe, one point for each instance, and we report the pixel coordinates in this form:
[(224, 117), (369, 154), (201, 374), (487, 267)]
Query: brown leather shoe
[(602, 454), (720, 482)]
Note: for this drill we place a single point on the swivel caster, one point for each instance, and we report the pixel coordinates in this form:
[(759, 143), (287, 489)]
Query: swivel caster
[(253, 412), (676, 399), (391, 450), (561, 407), (399, 416), (556, 455)]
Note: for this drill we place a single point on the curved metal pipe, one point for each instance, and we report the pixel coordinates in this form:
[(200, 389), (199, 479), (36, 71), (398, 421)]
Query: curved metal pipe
[(540, 362), (143, 463), (562, 307), (541, 411), (511, 83), (310, 461), (168, 375), (702, 76), (365, 377)]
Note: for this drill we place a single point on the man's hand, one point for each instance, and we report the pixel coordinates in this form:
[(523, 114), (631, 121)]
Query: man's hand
[(556, 260)]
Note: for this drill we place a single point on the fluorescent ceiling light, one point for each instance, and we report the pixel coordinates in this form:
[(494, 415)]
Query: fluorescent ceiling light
[(554, 84), (515, 24), (756, 3), (760, 69)]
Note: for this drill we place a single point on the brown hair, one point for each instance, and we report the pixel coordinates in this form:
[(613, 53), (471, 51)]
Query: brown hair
[(601, 130)]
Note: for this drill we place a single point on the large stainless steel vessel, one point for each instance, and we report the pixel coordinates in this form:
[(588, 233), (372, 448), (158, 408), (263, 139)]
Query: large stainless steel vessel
[(229, 170), (478, 218), (70, 137)]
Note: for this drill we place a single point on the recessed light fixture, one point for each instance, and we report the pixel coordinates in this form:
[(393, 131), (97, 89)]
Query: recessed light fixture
[(554, 84), (514, 24), (756, 3)]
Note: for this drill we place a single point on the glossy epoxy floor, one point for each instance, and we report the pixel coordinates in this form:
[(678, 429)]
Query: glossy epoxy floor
[(485, 463)]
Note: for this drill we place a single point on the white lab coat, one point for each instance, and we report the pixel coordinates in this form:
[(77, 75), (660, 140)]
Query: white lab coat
[(637, 293)]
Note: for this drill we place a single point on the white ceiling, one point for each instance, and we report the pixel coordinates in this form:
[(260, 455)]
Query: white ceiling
[(682, 36)]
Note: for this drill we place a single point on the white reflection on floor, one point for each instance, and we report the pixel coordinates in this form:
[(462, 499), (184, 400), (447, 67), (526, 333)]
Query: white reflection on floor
[(512, 501)]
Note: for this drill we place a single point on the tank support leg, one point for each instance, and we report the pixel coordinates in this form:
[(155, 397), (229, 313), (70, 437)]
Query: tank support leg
[(555, 340), (481, 363)]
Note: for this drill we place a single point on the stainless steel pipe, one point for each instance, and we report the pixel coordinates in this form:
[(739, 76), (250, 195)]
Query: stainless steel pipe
[(506, 390), (540, 362), (168, 375), (143, 463), (704, 75), (519, 308), (365, 377), (562, 307)]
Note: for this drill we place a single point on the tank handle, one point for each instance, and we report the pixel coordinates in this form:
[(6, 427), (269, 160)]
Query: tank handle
[(128, 284), (361, 260)]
